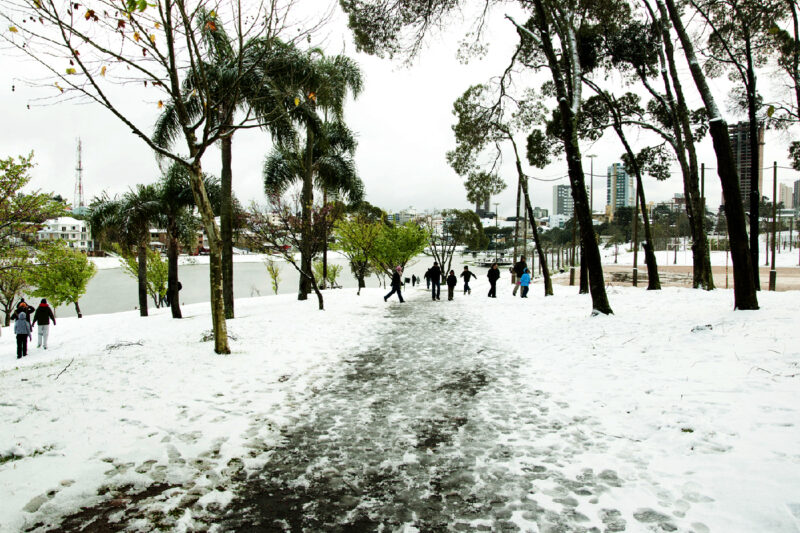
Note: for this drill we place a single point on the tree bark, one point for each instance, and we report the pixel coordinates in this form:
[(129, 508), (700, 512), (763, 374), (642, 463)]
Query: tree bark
[(755, 163), (324, 242), (78, 310), (307, 200), (744, 286), (215, 259), (172, 271), (516, 227), (584, 283), (226, 220), (141, 261)]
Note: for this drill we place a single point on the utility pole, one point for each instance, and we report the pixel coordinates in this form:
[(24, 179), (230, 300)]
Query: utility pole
[(591, 183), (773, 275), (495, 231)]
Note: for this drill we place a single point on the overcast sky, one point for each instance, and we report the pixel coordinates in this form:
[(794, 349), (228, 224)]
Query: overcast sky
[(403, 121)]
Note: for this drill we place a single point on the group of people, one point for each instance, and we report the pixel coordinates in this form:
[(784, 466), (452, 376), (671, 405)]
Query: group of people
[(433, 280), (25, 317)]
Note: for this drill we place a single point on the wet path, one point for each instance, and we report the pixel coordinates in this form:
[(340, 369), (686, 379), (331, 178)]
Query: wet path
[(431, 430)]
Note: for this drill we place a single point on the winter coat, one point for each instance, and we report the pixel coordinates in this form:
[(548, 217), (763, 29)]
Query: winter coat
[(396, 283), (43, 315), (493, 274), (23, 307), (21, 326), (525, 280), (452, 280), (427, 274), (519, 268), (467, 274), (436, 274)]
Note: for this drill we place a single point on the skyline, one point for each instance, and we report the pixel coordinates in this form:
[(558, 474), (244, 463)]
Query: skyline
[(402, 119)]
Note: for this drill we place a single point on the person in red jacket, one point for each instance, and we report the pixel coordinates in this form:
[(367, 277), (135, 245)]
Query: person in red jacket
[(43, 315)]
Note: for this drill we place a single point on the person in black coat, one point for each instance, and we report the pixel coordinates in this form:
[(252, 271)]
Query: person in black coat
[(452, 280), (428, 279), (467, 274), (519, 269), (43, 315), (493, 275), (436, 280), (397, 283)]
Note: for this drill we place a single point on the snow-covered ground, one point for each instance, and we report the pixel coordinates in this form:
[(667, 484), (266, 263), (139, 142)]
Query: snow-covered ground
[(674, 414), (114, 262)]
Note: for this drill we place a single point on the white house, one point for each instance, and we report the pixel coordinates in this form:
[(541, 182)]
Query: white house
[(75, 232)]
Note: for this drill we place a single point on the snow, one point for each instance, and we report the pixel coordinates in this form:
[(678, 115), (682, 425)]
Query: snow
[(675, 412), (114, 262)]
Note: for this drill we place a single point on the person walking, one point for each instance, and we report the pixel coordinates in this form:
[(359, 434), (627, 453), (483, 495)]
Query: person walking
[(396, 284), (467, 274), (452, 281), (23, 307), (519, 269), (43, 315), (493, 275), (23, 331), (525, 282), (428, 279), (436, 280), (413, 280)]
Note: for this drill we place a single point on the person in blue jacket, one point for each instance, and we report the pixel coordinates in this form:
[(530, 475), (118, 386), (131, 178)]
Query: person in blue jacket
[(524, 282), (22, 329)]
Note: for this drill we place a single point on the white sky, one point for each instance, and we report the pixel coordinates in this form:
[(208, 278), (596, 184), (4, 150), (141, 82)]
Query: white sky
[(403, 121)]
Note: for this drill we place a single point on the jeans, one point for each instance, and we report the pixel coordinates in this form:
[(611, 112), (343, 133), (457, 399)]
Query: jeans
[(467, 290), (22, 345), (394, 290), (436, 289), (493, 289), (525, 291), (450, 291), (44, 332)]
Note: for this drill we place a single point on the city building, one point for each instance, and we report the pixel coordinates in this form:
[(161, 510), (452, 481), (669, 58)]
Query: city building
[(620, 192), (562, 201), (676, 204), (75, 232), (785, 195), (485, 211), (406, 215), (558, 221), (796, 195), (740, 144)]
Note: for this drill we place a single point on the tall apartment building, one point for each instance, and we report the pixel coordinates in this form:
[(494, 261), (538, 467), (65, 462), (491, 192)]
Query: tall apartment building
[(75, 232), (796, 196), (562, 200), (740, 144), (620, 191), (785, 195)]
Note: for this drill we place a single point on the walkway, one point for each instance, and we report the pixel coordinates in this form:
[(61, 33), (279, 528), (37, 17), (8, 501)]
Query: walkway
[(432, 429)]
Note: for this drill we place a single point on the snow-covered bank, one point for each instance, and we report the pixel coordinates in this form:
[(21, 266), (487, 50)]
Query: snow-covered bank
[(165, 410), (103, 263), (675, 412)]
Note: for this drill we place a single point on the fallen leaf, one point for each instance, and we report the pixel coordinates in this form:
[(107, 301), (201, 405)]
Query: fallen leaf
[(136, 36), (103, 71), (13, 29)]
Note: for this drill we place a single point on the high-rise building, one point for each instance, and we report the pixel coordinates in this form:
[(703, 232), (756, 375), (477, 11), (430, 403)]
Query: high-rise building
[(620, 191), (785, 195), (796, 195), (740, 144), (562, 200)]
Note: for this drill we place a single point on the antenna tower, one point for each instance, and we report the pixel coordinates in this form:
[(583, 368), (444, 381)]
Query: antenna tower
[(79, 201)]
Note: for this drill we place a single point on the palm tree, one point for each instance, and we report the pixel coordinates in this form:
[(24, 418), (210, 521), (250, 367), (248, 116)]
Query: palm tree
[(126, 221), (176, 204), (255, 87), (322, 84), (333, 168)]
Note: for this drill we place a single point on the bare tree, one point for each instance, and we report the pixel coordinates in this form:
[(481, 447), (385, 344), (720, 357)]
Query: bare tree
[(105, 51)]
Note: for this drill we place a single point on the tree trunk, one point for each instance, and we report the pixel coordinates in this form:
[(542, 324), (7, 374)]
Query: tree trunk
[(523, 183), (215, 259), (324, 242), (307, 201), (142, 277), (172, 271), (636, 241), (516, 227), (568, 102), (687, 158), (744, 286), (78, 310), (584, 284), (755, 162), (226, 221)]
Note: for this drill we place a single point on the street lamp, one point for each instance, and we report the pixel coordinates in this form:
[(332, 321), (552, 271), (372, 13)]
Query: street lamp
[(591, 182), (495, 231)]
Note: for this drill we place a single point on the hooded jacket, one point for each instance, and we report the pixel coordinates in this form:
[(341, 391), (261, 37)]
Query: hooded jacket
[(21, 326)]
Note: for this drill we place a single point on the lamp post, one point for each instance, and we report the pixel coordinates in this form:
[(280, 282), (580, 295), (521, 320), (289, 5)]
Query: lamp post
[(591, 182), (495, 231)]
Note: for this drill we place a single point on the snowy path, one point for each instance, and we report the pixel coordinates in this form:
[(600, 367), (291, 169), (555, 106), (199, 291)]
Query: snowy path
[(432, 429)]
